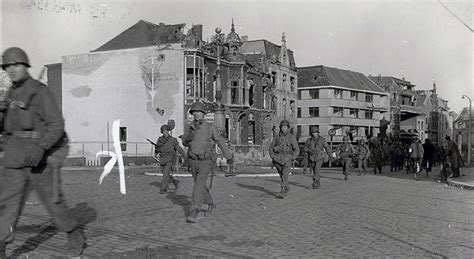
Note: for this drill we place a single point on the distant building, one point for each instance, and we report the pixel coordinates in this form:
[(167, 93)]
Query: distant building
[(342, 100), (461, 133), (408, 119), (150, 74), (279, 83)]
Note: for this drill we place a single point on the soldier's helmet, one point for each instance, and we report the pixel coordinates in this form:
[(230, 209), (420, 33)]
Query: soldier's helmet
[(14, 55), (197, 106), (284, 123), (165, 127), (313, 130)]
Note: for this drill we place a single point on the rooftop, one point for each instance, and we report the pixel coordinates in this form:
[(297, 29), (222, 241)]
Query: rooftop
[(145, 34), (328, 76)]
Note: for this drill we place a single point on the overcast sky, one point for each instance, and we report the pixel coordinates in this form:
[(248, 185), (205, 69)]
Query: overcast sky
[(419, 40)]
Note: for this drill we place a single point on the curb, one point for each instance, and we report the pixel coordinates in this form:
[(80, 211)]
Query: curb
[(464, 186), (219, 175)]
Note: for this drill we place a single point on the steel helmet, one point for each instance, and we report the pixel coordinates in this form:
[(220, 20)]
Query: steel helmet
[(284, 123), (313, 130), (165, 127), (14, 55), (197, 106)]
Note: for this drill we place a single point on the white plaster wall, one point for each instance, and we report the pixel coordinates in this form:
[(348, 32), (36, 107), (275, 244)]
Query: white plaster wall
[(105, 86)]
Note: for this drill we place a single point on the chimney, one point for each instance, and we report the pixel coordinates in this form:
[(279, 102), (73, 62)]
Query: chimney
[(434, 86), (244, 38)]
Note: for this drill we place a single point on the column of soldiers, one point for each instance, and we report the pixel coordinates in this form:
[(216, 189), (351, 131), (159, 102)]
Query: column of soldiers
[(36, 146)]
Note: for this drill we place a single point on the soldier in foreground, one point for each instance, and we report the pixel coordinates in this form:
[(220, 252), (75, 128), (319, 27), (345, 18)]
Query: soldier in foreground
[(167, 147), (35, 147), (317, 151), (283, 150), (200, 137)]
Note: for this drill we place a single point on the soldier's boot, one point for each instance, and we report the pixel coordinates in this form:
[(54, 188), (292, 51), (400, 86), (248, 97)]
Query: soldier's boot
[(176, 183), (210, 209), (3, 250), (192, 217), (345, 177), (316, 185), (75, 244), (283, 193)]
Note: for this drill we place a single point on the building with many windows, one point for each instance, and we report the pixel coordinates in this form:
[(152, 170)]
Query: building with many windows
[(280, 81), (152, 73), (408, 117), (343, 100)]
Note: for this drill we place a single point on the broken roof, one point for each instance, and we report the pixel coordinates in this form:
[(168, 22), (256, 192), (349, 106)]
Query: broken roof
[(390, 80), (145, 34), (328, 76), (271, 50)]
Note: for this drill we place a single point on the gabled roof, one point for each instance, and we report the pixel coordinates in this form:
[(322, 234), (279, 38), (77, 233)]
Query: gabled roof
[(145, 34), (328, 76), (271, 50)]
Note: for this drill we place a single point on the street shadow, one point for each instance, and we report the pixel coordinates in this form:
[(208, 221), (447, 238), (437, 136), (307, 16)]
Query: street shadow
[(83, 213), (33, 242), (181, 200), (257, 188), (292, 183), (156, 184), (333, 178), (433, 176)]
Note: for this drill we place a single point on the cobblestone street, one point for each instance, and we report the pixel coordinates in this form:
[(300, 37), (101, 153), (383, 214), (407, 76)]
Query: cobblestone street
[(366, 216)]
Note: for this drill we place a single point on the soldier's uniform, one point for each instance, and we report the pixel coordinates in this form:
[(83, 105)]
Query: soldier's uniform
[(317, 151), (283, 150), (416, 154), (200, 138), (376, 154), (394, 156), (362, 156), (167, 147), (35, 147), (345, 152)]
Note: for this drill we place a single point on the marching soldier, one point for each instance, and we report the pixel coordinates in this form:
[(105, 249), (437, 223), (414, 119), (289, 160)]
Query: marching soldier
[(377, 154), (166, 147), (283, 150), (200, 137), (362, 155), (317, 150), (455, 157), (345, 152), (416, 154), (35, 148)]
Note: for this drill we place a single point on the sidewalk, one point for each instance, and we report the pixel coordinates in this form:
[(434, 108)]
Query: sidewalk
[(466, 181)]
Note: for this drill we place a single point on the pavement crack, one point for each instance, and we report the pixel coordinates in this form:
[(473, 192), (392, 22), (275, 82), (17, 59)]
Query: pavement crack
[(406, 242), (398, 212)]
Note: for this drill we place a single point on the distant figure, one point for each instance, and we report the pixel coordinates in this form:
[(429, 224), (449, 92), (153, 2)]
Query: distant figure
[(383, 127), (454, 157), (316, 152), (428, 155), (362, 155), (345, 152), (416, 155), (167, 147)]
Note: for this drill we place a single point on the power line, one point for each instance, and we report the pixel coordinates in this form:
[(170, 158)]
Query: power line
[(456, 16)]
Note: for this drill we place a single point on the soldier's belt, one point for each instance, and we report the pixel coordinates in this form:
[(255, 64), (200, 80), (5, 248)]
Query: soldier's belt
[(200, 157), (25, 134)]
